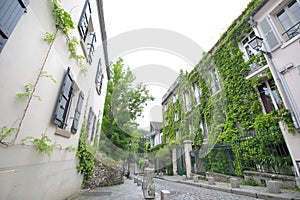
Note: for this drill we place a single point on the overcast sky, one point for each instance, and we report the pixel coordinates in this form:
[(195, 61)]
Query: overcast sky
[(201, 22)]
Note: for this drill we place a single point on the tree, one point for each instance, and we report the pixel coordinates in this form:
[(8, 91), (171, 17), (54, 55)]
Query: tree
[(123, 104)]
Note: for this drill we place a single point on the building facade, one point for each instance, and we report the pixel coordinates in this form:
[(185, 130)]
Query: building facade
[(54, 71), (239, 114), (278, 24), (155, 133)]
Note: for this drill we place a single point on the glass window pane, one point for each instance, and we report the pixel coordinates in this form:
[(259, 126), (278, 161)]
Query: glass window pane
[(295, 10)]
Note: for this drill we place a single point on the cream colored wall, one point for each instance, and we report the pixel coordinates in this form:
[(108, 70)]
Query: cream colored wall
[(30, 174)]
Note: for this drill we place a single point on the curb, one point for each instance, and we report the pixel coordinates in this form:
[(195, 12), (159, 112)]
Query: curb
[(237, 191)]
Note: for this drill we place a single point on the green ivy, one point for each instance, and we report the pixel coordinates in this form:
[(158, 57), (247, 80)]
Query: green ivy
[(42, 144), (85, 153), (232, 111)]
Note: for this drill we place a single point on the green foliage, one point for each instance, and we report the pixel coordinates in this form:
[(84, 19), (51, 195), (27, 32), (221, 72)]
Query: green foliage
[(6, 132), (49, 37), (85, 153), (47, 75), (29, 89), (123, 104), (232, 111), (64, 22), (41, 144)]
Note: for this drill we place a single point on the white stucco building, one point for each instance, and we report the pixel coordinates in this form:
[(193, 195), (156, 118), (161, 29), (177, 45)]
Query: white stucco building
[(155, 133), (57, 109), (277, 23)]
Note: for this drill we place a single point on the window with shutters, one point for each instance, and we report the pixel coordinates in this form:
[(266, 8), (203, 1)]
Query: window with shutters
[(91, 125), (269, 35), (67, 111), (99, 78), (10, 13), (87, 33), (289, 18)]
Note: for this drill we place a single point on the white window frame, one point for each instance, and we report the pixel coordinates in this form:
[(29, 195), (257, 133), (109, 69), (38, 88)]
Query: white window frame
[(215, 83), (291, 17), (187, 101), (197, 93)]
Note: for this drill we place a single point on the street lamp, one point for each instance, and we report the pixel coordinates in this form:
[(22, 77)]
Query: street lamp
[(256, 43)]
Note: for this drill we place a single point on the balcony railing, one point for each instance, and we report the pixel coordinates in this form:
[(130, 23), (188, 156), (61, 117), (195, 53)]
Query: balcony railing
[(293, 31), (256, 62)]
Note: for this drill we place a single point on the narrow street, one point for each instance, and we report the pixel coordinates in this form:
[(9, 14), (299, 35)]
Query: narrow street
[(130, 191)]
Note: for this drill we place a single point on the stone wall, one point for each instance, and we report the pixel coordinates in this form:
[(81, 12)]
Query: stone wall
[(261, 178), (107, 172)]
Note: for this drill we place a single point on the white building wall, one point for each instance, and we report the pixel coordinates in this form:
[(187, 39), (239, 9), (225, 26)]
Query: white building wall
[(29, 174), (285, 56)]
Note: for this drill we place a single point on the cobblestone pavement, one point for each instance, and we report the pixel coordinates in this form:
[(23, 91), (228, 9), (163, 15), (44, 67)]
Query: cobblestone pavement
[(130, 191), (188, 192)]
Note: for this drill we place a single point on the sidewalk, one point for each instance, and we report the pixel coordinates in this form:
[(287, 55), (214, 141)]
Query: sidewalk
[(252, 191)]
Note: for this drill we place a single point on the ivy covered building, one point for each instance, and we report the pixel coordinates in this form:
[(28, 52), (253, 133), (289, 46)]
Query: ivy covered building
[(239, 106), (53, 76)]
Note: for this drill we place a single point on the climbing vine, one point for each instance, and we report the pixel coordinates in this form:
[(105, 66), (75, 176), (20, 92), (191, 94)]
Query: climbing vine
[(64, 22), (232, 111)]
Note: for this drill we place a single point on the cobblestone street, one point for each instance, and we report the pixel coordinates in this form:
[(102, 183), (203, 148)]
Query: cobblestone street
[(130, 191)]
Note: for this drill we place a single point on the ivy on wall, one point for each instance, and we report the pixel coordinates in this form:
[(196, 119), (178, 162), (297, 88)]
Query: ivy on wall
[(234, 109)]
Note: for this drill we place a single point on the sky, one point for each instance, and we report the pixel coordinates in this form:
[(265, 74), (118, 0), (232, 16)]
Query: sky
[(157, 38)]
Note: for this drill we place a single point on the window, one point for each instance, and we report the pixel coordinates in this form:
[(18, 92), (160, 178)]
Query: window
[(269, 34), (10, 13), (203, 128), (99, 78), (191, 129), (289, 18), (91, 124), (61, 111), (86, 31), (215, 83), (175, 116), (269, 96), (197, 93), (187, 101), (248, 51), (174, 98), (177, 135)]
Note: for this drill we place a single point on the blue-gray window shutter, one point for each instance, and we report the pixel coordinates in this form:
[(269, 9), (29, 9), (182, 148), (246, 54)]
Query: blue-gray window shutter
[(63, 102), (269, 34), (88, 125), (84, 20), (94, 128), (10, 13), (78, 109)]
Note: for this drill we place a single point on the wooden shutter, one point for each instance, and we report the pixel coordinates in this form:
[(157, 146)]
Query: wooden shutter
[(88, 125), (269, 34), (63, 102), (74, 127), (10, 13), (84, 20), (94, 128)]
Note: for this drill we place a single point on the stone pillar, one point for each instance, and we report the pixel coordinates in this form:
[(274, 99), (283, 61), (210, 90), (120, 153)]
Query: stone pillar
[(188, 165), (174, 161), (148, 186)]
